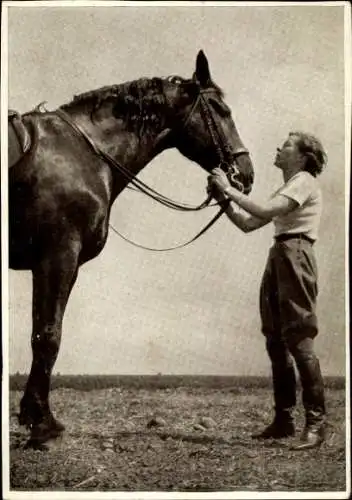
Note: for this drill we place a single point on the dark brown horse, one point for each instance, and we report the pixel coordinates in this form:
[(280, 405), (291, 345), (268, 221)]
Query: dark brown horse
[(62, 188)]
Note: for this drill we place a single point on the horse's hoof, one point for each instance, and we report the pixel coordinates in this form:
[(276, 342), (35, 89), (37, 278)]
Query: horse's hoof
[(45, 431), (32, 444), (49, 421)]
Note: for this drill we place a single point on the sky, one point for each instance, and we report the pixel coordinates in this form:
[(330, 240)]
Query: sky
[(194, 310)]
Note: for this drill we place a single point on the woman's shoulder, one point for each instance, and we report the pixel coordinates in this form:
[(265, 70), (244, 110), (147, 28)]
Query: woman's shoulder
[(304, 179), (304, 176), (311, 185), (301, 178), (308, 177)]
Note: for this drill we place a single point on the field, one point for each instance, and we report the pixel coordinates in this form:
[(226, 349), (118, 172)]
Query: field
[(174, 434)]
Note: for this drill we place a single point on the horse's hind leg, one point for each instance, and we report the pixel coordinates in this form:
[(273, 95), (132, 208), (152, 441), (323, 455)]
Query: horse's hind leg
[(53, 279)]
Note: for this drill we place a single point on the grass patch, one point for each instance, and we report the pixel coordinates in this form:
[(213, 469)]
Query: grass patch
[(149, 382)]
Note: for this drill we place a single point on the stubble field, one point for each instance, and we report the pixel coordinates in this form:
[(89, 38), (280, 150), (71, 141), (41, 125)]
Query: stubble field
[(182, 438)]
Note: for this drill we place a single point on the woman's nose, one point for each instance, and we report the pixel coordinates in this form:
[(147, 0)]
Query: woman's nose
[(278, 150)]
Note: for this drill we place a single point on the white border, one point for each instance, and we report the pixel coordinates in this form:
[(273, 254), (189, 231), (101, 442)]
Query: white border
[(4, 256), (348, 117), (156, 495), (7, 493), (160, 3)]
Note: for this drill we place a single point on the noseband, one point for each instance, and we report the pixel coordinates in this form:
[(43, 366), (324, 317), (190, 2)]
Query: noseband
[(222, 148)]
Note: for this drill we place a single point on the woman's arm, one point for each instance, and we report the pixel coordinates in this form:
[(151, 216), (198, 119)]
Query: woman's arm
[(279, 205), (245, 222)]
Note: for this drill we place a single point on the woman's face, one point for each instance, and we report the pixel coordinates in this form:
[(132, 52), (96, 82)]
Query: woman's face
[(288, 155)]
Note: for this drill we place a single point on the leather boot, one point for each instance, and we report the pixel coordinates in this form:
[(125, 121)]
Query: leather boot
[(281, 427), (284, 386), (312, 396), (312, 437)]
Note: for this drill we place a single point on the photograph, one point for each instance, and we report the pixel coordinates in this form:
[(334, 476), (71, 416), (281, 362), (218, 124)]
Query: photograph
[(175, 197)]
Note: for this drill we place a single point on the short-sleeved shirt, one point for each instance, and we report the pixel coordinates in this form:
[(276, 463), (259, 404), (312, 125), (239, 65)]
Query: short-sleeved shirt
[(305, 218)]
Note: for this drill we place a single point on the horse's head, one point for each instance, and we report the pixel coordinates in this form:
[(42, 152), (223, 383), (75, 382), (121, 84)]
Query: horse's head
[(204, 130)]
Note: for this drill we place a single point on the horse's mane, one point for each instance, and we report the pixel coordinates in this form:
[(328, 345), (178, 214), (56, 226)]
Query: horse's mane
[(142, 103)]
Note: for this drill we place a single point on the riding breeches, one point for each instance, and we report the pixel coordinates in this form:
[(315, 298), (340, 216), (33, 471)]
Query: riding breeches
[(289, 290)]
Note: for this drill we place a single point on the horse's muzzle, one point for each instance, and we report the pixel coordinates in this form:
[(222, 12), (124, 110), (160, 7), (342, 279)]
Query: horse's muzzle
[(242, 173)]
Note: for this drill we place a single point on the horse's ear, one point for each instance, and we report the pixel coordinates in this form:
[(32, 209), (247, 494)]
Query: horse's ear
[(202, 69)]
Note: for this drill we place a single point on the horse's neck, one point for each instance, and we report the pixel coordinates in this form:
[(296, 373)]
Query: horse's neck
[(127, 150), (124, 146)]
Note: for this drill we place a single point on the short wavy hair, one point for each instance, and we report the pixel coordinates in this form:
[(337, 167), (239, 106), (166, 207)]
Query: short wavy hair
[(311, 147)]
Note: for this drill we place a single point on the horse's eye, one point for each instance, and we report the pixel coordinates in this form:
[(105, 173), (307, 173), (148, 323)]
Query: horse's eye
[(174, 79)]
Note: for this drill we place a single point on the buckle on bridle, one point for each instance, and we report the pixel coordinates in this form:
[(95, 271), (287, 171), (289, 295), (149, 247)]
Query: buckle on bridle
[(236, 184), (232, 174)]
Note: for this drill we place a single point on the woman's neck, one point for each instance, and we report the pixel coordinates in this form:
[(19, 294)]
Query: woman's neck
[(290, 172)]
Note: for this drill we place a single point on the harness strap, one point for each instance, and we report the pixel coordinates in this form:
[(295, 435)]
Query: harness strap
[(182, 245), (164, 200)]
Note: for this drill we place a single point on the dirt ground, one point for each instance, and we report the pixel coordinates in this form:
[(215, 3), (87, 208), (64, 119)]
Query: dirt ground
[(177, 439)]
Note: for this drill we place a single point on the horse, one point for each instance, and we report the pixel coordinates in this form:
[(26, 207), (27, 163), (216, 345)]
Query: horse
[(81, 156)]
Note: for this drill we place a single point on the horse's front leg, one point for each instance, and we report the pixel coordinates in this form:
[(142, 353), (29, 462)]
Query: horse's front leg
[(53, 279)]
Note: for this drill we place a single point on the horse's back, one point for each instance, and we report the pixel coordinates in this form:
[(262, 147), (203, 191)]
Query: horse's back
[(54, 160), (57, 190)]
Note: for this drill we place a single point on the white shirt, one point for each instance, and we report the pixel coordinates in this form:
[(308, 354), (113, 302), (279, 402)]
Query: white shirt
[(305, 218)]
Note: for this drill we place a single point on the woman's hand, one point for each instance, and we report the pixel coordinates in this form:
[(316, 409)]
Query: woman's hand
[(215, 191), (219, 179)]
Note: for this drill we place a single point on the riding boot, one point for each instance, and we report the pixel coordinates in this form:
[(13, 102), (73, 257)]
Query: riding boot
[(284, 386), (281, 427), (312, 396)]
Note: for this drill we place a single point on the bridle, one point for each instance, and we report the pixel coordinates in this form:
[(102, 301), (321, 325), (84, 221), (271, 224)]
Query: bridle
[(222, 149)]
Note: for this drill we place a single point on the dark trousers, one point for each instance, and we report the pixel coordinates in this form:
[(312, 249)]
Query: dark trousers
[(287, 304)]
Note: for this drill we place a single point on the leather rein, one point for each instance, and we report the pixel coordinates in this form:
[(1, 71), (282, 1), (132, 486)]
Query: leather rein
[(231, 170)]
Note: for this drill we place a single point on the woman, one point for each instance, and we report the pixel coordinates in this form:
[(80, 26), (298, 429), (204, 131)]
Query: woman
[(288, 290)]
